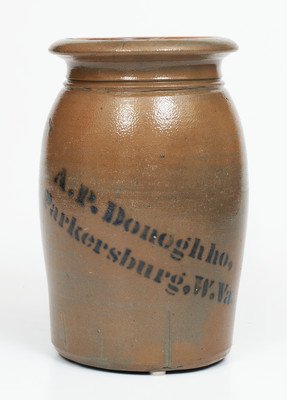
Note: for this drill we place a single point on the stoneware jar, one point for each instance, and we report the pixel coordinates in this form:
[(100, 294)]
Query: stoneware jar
[(143, 204)]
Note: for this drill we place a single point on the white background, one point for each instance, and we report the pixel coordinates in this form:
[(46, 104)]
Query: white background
[(30, 80)]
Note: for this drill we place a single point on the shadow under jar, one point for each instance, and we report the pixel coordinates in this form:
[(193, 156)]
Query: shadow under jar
[(143, 195)]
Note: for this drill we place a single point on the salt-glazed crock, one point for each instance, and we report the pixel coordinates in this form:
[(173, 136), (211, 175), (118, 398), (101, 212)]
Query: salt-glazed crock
[(143, 204)]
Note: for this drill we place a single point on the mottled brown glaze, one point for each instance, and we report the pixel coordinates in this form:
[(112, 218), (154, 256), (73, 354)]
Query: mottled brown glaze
[(143, 204)]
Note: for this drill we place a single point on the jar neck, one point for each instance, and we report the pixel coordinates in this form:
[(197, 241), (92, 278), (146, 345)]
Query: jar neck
[(156, 71), (143, 59)]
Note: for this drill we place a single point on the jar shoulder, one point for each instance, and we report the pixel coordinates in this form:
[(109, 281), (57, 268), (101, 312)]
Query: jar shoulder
[(124, 112)]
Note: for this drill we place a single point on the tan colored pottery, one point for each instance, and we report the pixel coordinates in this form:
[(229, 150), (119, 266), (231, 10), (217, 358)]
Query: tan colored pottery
[(143, 204)]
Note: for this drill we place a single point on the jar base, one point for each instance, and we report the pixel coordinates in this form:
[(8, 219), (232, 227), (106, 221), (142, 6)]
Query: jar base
[(156, 370)]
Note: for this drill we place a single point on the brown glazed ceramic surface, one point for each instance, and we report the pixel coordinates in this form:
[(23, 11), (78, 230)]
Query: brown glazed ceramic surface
[(143, 204)]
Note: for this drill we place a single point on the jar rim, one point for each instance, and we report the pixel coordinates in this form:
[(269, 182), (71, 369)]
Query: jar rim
[(161, 47)]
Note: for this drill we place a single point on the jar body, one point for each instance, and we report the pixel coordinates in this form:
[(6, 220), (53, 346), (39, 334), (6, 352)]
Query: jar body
[(143, 209)]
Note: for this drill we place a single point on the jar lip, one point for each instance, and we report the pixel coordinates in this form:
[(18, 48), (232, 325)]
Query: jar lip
[(152, 46)]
